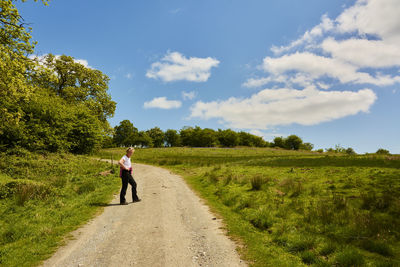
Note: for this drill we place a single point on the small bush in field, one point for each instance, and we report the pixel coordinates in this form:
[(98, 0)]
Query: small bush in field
[(256, 182), (26, 191), (261, 218)]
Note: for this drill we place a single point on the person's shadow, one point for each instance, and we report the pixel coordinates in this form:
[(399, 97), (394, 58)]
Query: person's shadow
[(99, 204)]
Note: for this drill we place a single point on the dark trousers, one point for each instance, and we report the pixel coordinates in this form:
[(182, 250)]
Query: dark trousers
[(127, 178)]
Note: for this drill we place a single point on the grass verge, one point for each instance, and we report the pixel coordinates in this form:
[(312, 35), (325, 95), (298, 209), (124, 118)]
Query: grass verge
[(43, 197)]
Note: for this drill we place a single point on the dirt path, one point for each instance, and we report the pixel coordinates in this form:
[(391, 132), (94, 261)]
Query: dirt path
[(169, 227)]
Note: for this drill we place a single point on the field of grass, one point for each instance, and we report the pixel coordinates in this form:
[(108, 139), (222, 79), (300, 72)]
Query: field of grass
[(291, 208), (43, 197)]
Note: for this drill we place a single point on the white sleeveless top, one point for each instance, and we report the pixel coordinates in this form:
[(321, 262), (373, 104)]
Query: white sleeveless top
[(127, 162)]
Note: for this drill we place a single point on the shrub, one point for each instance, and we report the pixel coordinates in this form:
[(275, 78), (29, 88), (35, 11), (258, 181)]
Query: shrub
[(30, 190), (261, 218), (382, 151), (350, 151), (256, 182)]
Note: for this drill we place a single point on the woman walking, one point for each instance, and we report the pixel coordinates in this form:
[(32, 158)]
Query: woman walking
[(126, 177)]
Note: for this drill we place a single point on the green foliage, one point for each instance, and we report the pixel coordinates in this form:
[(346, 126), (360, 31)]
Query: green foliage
[(307, 146), (157, 136), (293, 142), (350, 151), (77, 84), (172, 138), (382, 151), (125, 134), (247, 139), (228, 138), (144, 140), (279, 142), (56, 104), (14, 64)]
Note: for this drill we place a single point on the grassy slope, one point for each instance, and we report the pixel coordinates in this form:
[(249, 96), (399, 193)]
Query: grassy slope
[(43, 198), (296, 208)]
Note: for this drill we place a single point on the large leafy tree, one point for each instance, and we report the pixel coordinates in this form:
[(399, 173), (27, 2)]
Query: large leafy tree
[(76, 84), (16, 45), (55, 104)]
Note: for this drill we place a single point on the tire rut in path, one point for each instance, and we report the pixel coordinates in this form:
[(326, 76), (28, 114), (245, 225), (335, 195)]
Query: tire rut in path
[(169, 227)]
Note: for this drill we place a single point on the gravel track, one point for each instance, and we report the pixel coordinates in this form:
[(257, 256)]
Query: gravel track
[(169, 227)]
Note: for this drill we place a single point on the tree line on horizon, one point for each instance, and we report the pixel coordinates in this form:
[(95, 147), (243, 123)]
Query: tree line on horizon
[(125, 135)]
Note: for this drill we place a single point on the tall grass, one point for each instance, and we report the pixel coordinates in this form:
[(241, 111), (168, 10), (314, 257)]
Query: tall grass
[(42, 198)]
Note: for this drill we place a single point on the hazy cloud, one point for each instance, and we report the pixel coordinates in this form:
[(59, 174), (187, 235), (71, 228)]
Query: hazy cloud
[(188, 95)]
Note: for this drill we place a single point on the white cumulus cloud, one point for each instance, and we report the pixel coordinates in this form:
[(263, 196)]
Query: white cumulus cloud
[(162, 103), (272, 107), (363, 52), (176, 67)]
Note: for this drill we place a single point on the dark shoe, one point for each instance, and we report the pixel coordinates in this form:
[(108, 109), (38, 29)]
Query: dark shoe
[(124, 203), (136, 200)]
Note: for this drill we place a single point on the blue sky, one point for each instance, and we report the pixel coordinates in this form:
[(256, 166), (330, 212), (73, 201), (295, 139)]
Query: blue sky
[(328, 71)]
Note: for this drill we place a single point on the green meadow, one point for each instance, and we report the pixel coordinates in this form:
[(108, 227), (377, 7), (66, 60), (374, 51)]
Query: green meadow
[(43, 197), (291, 208)]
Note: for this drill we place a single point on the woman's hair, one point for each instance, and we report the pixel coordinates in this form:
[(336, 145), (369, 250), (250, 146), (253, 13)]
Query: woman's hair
[(130, 149)]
